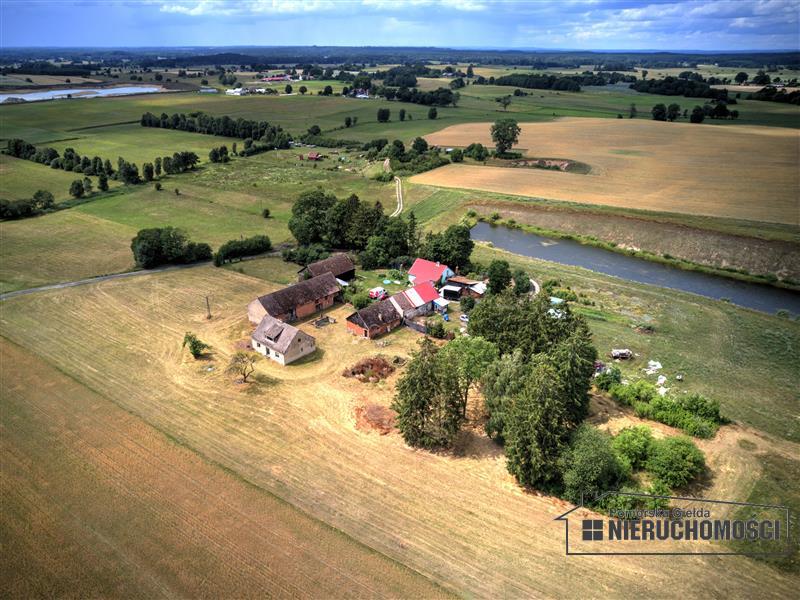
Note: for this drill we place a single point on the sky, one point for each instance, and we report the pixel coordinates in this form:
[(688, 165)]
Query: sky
[(543, 24)]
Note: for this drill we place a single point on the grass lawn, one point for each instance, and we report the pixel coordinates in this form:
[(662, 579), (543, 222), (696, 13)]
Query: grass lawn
[(140, 144), (22, 178), (62, 246)]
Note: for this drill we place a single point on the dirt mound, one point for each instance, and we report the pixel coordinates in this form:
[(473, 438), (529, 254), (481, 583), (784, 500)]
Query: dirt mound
[(375, 417), (370, 370)]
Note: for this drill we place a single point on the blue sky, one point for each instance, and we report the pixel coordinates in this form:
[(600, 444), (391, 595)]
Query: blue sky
[(571, 24)]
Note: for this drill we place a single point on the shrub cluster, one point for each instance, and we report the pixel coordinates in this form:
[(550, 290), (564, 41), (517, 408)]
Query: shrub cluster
[(694, 414), (233, 249), (166, 245), (41, 202)]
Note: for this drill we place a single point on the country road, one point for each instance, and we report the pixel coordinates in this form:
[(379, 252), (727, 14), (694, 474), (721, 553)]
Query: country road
[(100, 278), (398, 186)]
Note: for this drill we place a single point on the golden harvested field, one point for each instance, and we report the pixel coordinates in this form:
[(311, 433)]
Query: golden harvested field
[(96, 503), (743, 172), (457, 518)]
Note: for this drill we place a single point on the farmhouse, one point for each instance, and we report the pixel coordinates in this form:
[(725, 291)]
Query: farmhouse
[(425, 270), (296, 301), (468, 287), (340, 265), (281, 342), (374, 320), (415, 301)]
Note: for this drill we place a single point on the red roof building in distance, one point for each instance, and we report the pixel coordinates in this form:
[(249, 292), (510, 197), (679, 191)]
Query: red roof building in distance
[(314, 156), (425, 270)]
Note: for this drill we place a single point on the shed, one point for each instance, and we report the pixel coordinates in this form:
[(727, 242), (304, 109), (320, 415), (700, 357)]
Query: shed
[(296, 301), (340, 265), (374, 320), (451, 292)]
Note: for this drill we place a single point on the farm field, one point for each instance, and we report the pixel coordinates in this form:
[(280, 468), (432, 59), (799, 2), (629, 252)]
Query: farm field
[(160, 519), (139, 144), (216, 203), (457, 518), (22, 178), (645, 165)]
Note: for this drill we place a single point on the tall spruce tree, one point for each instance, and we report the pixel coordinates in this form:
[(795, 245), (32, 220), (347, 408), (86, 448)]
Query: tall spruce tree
[(428, 402)]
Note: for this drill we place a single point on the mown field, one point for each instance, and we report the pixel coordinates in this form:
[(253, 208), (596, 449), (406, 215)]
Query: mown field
[(217, 203), (98, 503), (23, 178), (456, 517), (645, 165)]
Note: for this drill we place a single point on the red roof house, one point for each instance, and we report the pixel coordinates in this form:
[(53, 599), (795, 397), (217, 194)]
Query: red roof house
[(415, 301), (425, 270)]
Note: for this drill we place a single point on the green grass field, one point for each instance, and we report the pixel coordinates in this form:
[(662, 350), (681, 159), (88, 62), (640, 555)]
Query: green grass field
[(138, 144), (22, 178)]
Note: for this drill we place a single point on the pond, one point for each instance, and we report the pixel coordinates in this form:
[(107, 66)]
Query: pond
[(569, 252), (83, 93)]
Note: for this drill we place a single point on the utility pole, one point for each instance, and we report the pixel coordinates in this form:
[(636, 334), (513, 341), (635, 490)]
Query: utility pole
[(208, 309)]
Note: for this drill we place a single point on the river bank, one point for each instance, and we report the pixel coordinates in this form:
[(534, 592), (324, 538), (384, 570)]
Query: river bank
[(750, 259), (627, 264)]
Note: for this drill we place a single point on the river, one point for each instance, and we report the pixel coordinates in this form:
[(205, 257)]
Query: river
[(757, 296), (83, 93)]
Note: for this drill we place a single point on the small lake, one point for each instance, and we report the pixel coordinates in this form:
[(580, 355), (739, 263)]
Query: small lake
[(83, 93), (569, 252)]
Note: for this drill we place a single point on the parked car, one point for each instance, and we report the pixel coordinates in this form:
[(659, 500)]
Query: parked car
[(377, 293), (464, 318)]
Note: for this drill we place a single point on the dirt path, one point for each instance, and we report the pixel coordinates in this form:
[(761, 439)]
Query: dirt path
[(398, 186)]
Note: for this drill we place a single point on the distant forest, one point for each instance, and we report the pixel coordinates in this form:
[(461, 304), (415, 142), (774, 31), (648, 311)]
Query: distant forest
[(264, 57)]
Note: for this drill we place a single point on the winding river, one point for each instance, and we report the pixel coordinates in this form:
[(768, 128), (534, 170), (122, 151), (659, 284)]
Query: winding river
[(757, 296)]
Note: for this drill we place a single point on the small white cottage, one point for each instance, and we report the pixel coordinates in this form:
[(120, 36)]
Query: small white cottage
[(280, 341)]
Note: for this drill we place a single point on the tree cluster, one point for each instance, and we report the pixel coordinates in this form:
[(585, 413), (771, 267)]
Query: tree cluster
[(236, 249), (166, 245), (675, 86), (438, 97), (773, 94), (272, 136), (41, 202)]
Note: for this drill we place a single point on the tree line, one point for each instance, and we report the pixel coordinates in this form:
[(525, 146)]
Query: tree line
[(675, 86), (568, 83), (198, 122)]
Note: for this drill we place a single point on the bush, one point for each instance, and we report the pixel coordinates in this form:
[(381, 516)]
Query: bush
[(608, 378), (302, 255), (467, 303), (435, 328), (233, 249), (590, 466), (158, 186), (670, 412), (360, 300), (633, 443), (638, 391), (196, 347), (676, 461)]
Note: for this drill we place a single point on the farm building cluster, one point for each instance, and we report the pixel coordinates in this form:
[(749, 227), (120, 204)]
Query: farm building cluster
[(432, 286)]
